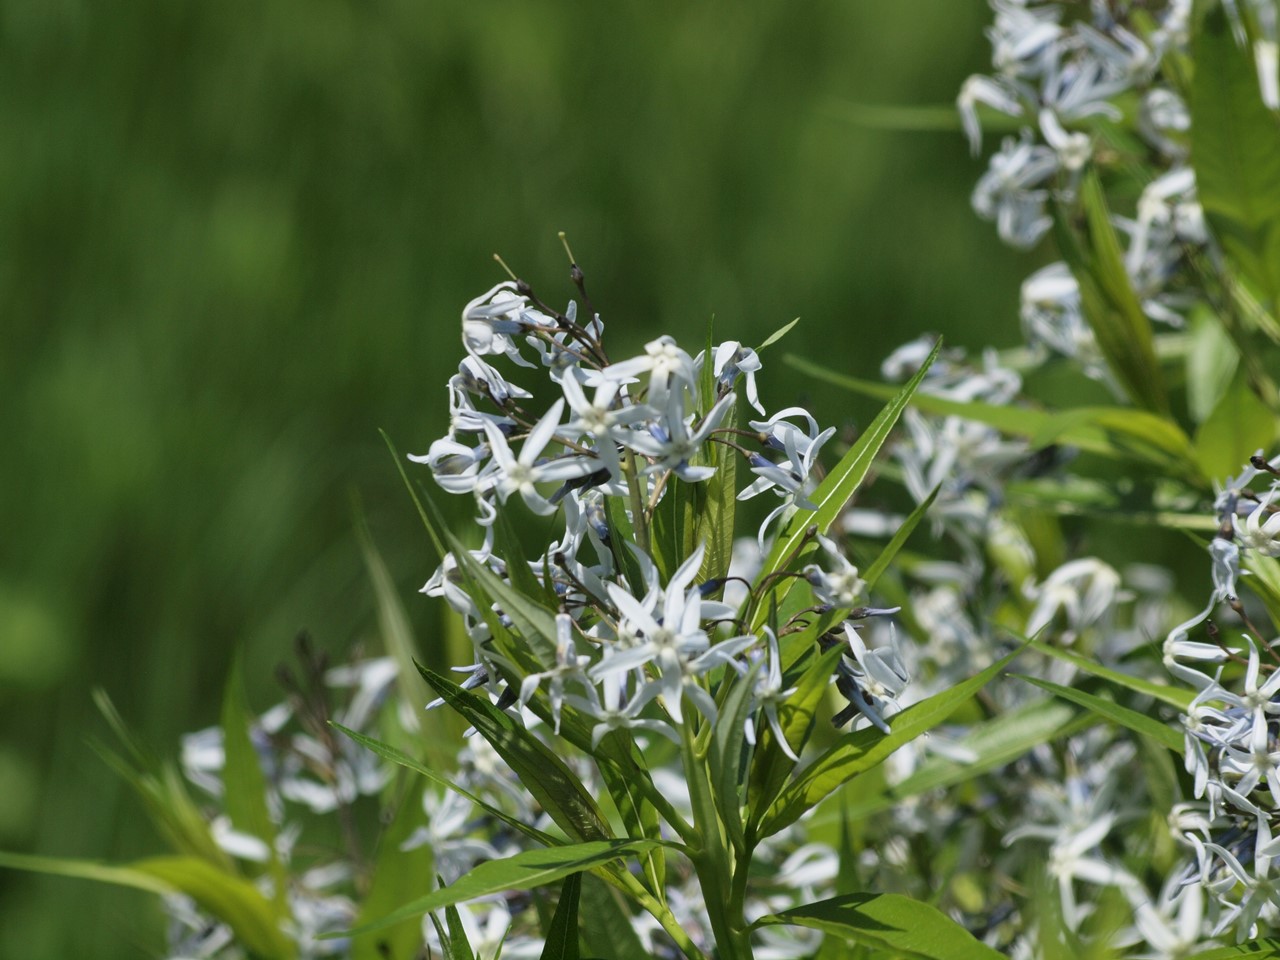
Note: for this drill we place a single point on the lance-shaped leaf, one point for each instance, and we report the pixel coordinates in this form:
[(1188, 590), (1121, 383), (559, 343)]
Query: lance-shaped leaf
[(727, 748), (858, 752), (609, 932), (1110, 710), (1268, 948), (838, 486), (1235, 152), (1239, 425), (770, 765), (547, 778), (1174, 696), (562, 936), (244, 784), (890, 922), (397, 876), (1114, 432), (1121, 329), (231, 898), (524, 871), (899, 539), (992, 744), (534, 622), (388, 752)]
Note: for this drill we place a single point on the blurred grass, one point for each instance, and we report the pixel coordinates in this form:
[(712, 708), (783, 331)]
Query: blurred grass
[(237, 239)]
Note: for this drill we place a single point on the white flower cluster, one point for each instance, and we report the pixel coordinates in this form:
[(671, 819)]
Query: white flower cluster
[(1067, 78), (638, 635), (1232, 727), (606, 453)]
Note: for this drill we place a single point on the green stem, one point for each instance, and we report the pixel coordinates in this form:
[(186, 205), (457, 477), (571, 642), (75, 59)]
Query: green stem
[(711, 858), (638, 520), (665, 918)]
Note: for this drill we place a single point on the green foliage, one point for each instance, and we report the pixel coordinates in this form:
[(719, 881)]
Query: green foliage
[(1109, 710), (1235, 151), (524, 871), (891, 922), (1122, 329), (837, 487), (547, 778), (862, 750), (562, 936)]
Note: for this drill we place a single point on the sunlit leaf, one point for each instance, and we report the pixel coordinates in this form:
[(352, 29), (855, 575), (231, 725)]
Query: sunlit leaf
[(889, 921), (1268, 948), (839, 485), (1173, 696), (861, 750), (1110, 710), (993, 744), (524, 871)]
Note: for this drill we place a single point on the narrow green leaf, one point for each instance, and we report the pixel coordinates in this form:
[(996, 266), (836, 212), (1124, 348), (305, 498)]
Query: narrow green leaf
[(608, 931), (1211, 362), (715, 506), (1080, 496), (1239, 426), (244, 782), (839, 485), (1110, 710), (1235, 152), (621, 533), (994, 743), (1115, 432), (459, 945), (889, 921), (394, 627), (1112, 309), (1264, 580), (85, 870), (524, 871), (777, 335), (1268, 948), (1173, 696), (900, 537), (397, 876), (540, 771), (231, 899), (770, 766), (562, 937), (534, 622), (861, 750), (388, 752), (435, 529), (727, 746)]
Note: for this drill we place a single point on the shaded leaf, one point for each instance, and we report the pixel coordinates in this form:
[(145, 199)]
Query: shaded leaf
[(1239, 425), (562, 937), (1235, 152), (1122, 330), (540, 771)]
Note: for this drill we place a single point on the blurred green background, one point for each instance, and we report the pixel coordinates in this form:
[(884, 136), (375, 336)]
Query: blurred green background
[(237, 238)]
